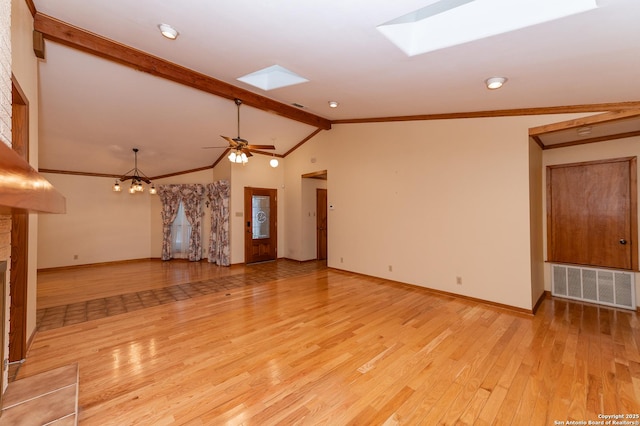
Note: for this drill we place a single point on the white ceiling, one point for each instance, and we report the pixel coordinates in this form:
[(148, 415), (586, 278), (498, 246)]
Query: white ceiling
[(93, 112)]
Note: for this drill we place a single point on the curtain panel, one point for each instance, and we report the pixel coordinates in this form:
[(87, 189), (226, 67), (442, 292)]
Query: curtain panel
[(191, 197), (219, 246)]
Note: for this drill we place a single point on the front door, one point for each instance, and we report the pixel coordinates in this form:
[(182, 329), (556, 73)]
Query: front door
[(591, 213), (261, 236)]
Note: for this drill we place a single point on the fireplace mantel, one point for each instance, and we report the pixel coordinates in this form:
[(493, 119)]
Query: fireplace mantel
[(23, 189)]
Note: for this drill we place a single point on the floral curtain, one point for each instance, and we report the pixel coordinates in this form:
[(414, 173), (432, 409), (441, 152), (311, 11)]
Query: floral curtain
[(218, 195), (191, 197)]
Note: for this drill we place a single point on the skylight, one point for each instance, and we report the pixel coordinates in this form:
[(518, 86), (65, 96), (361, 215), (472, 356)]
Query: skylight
[(272, 77), (448, 23)]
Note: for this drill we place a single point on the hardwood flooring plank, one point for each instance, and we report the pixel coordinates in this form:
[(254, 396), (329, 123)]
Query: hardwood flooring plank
[(297, 343)]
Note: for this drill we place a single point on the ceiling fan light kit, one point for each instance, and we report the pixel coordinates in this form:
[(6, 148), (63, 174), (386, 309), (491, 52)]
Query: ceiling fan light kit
[(240, 148), (137, 178)]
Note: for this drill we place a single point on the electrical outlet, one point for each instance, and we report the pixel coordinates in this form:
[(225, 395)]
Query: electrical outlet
[(459, 280), (341, 260), (75, 257), (390, 268)]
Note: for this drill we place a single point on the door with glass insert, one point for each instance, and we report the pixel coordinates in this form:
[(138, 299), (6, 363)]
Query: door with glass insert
[(260, 212)]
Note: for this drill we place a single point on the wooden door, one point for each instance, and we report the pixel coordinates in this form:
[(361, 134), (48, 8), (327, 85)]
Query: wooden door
[(591, 213), (18, 275), (321, 222), (261, 218)]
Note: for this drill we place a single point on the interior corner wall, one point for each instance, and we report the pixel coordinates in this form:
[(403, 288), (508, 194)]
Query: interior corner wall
[(456, 203), (537, 230), (24, 66), (313, 156), (628, 147), (222, 170), (100, 225)]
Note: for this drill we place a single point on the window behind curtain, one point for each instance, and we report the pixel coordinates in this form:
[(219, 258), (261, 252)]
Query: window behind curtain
[(180, 235)]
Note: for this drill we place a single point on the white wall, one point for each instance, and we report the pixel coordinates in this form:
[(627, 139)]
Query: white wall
[(100, 225), (313, 156), (459, 198), (453, 199)]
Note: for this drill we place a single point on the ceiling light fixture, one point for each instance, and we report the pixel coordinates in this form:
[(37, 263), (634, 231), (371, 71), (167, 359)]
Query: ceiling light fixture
[(168, 31), (241, 148), (494, 83), (137, 178), (273, 162), (237, 156), (447, 23), (333, 104)]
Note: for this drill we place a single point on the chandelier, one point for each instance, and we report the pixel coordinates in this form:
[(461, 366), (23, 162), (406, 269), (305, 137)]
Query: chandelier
[(137, 178)]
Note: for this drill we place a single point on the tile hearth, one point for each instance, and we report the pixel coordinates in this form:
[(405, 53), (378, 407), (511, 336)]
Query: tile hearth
[(49, 398)]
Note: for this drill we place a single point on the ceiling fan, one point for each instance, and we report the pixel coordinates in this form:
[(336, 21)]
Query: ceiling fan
[(238, 145)]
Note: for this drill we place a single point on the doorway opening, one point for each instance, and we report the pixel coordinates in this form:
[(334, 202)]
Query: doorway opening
[(315, 226)]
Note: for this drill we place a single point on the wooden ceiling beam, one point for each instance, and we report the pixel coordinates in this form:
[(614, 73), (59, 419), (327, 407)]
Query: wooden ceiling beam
[(77, 38), (606, 117), (621, 107)]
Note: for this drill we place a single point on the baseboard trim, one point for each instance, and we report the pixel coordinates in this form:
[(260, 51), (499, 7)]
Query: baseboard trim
[(88, 265), (514, 309), (545, 295)]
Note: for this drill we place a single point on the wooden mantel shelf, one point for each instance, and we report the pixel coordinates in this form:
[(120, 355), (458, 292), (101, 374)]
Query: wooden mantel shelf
[(23, 189)]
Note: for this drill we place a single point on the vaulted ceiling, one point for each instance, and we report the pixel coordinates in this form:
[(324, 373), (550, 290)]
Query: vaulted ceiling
[(110, 82)]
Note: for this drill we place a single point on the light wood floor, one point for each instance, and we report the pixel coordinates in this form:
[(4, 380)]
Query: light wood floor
[(328, 347)]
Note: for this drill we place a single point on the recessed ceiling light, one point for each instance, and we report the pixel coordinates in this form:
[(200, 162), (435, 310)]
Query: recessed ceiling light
[(447, 23), (168, 31), (494, 83), (333, 104)]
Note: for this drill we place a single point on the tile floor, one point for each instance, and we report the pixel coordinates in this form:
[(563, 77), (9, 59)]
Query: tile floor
[(60, 316)]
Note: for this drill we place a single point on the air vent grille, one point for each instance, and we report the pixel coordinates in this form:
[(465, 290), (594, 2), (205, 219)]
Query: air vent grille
[(601, 286)]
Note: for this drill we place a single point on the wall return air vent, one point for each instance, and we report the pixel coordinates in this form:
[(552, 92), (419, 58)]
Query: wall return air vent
[(602, 286)]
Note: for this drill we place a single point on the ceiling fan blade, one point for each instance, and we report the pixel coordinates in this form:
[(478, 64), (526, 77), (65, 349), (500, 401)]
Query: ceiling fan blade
[(247, 152), (232, 143), (261, 147), (214, 147)]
